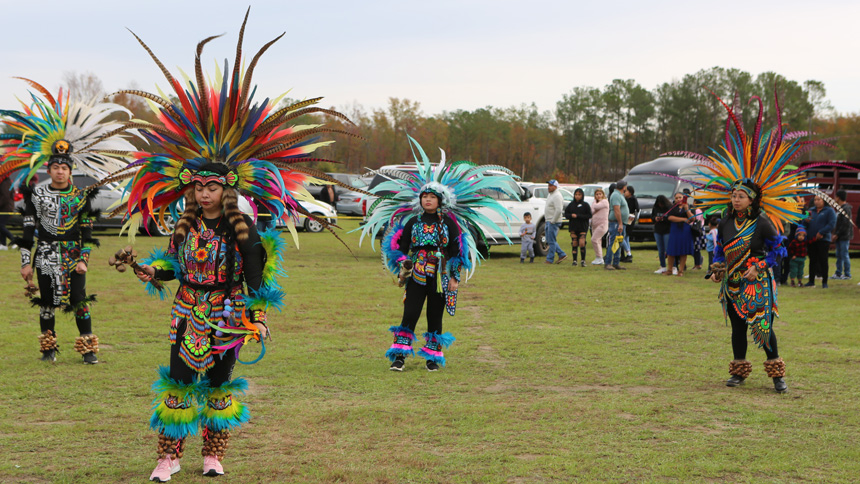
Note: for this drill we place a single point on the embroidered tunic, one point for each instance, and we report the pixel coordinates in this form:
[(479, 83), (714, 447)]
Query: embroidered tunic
[(63, 218), (204, 262), (742, 243)]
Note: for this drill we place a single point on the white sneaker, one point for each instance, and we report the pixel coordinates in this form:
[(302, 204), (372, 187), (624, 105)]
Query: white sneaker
[(674, 271), (597, 262), (3, 247), (661, 270), (14, 246)]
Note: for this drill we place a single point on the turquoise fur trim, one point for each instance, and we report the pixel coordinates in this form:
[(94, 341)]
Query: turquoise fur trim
[(233, 414), (393, 353), (160, 259), (443, 339), (267, 297), (275, 248), (176, 423)]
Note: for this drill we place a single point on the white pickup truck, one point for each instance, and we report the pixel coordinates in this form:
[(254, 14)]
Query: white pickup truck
[(525, 203)]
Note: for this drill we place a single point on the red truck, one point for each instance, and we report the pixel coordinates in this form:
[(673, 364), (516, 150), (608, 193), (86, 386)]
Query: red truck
[(829, 179)]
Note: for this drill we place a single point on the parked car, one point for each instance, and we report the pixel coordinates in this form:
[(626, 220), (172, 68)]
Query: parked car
[(317, 208), (589, 188), (540, 190), (649, 181), (525, 202), (350, 203)]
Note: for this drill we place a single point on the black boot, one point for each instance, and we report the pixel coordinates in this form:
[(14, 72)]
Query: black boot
[(734, 381), (49, 355), (779, 385)]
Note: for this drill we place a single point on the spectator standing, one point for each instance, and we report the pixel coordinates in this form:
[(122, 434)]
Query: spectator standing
[(578, 213), (842, 235), (7, 205), (553, 214), (599, 224), (822, 221), (680, 234), (329, 196), (633, 207), (711, 238), (698, 231), (661, 229), (618, 213)]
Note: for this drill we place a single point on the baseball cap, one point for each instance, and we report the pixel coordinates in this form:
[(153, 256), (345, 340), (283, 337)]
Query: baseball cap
[(553, 182)]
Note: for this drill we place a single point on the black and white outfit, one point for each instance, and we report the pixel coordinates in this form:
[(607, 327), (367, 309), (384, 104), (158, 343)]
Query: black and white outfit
[(63, 218)]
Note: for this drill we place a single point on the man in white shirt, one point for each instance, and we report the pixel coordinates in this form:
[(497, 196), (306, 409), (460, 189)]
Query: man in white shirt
[(554, 213)]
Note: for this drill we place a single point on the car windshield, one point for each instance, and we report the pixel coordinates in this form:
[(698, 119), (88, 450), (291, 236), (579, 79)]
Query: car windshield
[(588, 190), (649, 186)]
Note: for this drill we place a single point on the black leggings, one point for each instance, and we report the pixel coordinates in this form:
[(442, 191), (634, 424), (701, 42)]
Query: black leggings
[(818, 263), (77, 294), (219, 374), (413, 303), (739, 337)]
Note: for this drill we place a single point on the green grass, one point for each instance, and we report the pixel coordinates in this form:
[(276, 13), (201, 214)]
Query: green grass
[(558, 374)]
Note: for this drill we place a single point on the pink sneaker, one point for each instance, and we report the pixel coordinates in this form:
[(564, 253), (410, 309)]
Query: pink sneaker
[(212, 466), (166, 467)]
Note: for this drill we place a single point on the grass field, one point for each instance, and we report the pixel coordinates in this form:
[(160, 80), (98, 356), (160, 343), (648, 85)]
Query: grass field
[(558, 374)]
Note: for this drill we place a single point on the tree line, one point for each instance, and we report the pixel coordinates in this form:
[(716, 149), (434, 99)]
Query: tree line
[(594, 133)]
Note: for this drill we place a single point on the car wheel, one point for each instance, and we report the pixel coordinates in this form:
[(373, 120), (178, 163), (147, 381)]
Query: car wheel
[(313, 226), (541, 247), (156, 231)]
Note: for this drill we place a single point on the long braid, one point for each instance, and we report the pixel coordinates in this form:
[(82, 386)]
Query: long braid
[(188, 217), (230, 202)]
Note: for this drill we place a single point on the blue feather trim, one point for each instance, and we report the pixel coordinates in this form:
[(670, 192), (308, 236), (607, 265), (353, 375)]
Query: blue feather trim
[(393, 353), (265, 298), (174, 423), (160, 259), (444, 339), (228, 418)]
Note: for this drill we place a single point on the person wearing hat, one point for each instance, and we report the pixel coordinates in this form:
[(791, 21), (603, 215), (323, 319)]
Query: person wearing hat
[(797, 250), (553, 214), (62, 214)]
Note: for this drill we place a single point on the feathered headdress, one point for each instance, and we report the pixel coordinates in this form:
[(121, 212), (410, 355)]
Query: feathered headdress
[(758, 163), (77, 130), (461, 187), (218, 121)]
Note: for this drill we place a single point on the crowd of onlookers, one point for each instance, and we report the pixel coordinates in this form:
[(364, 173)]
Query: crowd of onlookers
[(682, 231)]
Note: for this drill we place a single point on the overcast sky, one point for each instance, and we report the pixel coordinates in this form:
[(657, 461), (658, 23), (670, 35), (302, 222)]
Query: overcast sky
[(447, 55)]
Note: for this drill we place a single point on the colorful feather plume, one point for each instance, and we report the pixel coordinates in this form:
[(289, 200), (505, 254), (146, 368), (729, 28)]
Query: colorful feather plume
[(462, 187), (764, 157), (218, 120), (97, 146)]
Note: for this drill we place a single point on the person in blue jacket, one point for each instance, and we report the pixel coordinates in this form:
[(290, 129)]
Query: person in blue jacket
[(819, 227)]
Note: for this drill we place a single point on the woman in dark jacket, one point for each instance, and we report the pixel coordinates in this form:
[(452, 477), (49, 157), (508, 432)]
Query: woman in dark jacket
[(578, 214), (661, 229)]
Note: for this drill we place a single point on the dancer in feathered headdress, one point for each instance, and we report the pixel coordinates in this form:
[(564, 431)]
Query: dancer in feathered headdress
[(432, 216), (214, 144), (749, 180), (61, 134)]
